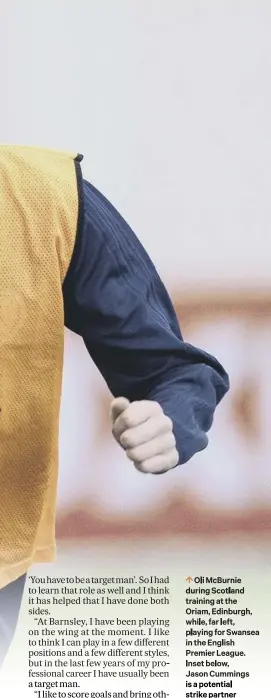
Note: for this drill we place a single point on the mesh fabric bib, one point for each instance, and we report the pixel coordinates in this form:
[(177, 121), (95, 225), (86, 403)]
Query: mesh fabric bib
[(38, 224)]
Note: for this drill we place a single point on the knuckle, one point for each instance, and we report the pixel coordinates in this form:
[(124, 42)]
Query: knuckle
[(127, 420), (168, 422), (124, 441), (145, 467), (115, 432), (140, 468), (172, 440), (165, 465), (131, 453), (175, 457)]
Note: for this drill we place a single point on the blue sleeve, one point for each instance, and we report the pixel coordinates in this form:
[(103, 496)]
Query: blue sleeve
[(114, 299)]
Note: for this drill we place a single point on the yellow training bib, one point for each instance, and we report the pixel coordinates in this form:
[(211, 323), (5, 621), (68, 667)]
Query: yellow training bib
[(38, 224)]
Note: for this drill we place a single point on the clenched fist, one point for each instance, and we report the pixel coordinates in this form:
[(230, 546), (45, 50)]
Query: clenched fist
[(145, 433)]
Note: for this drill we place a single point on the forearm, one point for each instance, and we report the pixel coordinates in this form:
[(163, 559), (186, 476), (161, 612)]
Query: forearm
[(188, 384), (190, 398), (116, 301)]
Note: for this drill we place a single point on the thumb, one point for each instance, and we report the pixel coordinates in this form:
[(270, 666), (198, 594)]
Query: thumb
[(118, 406)]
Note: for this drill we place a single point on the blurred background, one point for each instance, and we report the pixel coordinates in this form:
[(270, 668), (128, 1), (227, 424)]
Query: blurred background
[(170, 102)]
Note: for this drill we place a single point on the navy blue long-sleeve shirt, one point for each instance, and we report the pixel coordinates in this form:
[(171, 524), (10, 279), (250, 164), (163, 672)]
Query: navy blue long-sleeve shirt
[(114, 299)]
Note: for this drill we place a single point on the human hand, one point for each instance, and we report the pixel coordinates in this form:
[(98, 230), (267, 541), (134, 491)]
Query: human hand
[(145, 433)]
